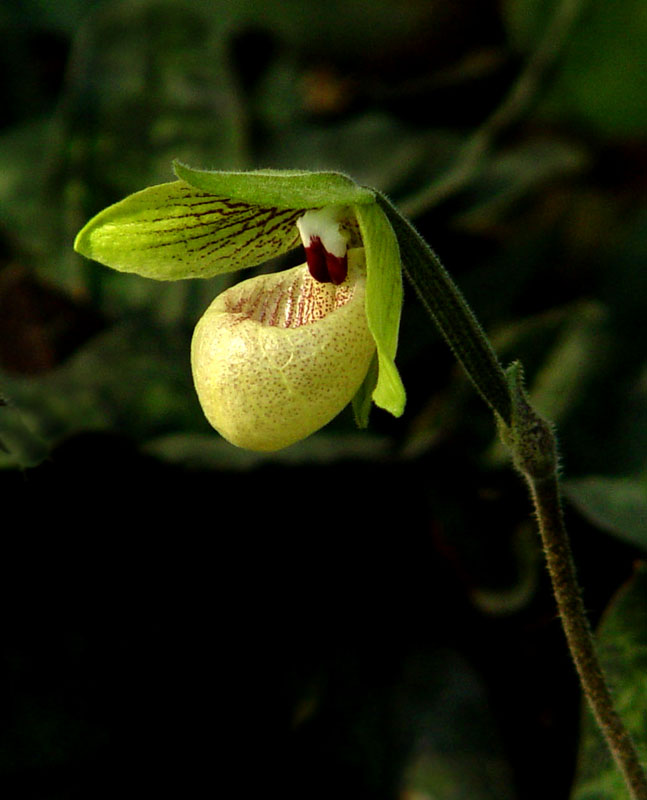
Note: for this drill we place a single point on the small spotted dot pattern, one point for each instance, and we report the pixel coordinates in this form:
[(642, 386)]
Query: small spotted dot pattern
[(278, 356)]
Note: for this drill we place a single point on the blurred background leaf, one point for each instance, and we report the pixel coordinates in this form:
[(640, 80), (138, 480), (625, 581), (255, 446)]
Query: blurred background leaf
[(600, 82), (456, 752), (618, 505)]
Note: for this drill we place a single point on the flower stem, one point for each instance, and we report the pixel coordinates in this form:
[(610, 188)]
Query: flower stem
[(581, 643), (532, 444)]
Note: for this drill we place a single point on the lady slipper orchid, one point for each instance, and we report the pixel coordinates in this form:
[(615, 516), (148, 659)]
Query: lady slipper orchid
[(277, 356)]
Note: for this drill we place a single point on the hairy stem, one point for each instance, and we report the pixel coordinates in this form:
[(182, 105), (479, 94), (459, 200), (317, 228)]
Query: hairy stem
[(581, 643), (531, 442)]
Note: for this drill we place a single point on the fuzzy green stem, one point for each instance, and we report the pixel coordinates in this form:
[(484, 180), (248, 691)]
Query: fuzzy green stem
[(581, 643), (532, 444)]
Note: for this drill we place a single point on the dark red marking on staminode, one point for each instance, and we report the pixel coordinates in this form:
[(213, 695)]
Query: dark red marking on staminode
[(316, 258), (324, 266), (337, 268)]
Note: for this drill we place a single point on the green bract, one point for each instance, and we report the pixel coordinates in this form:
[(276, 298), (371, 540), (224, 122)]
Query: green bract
[(208, 223)]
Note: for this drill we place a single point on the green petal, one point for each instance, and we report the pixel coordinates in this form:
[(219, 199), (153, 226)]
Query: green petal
[(174, 230), (383, 302), (363, 400), (281, 188)]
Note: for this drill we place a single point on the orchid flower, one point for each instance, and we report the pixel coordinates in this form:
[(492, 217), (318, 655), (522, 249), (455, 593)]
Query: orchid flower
[(277, 356)]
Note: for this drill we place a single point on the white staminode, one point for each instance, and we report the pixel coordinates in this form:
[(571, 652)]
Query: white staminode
[(324, 224)]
